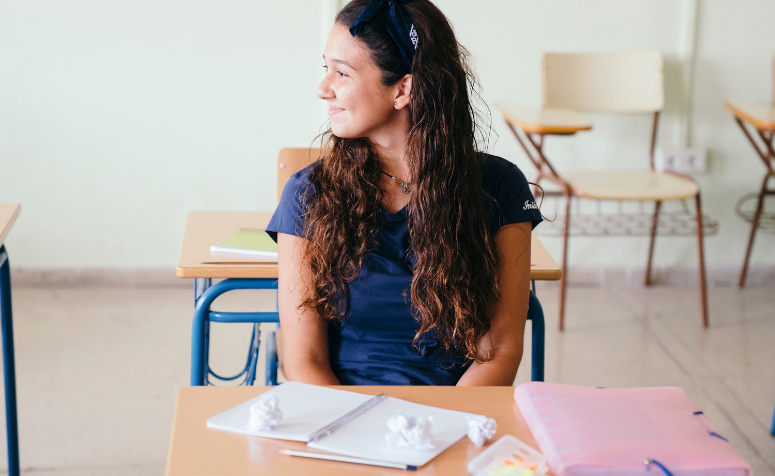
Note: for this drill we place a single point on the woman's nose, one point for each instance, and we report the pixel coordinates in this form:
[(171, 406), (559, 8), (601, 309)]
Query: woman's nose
[(324, 90)]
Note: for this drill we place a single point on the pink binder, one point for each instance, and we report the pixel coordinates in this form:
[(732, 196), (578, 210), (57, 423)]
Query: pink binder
[(585, 431)]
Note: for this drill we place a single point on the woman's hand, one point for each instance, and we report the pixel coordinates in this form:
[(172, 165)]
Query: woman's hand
[(504, 341), (305, 333)]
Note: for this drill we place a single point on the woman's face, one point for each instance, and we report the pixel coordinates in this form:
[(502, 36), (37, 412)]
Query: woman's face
[(358, 104)]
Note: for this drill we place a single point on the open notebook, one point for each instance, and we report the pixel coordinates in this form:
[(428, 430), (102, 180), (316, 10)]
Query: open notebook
[(309, 408)]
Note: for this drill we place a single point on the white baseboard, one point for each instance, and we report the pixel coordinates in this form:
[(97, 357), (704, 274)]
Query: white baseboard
[(758, 276), (142, 277)]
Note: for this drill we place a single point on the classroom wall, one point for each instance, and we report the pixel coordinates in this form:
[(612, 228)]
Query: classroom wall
[(117, 118)]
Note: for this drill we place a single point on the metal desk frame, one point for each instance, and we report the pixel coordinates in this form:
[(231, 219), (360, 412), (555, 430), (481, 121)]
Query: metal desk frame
[(205, 293)]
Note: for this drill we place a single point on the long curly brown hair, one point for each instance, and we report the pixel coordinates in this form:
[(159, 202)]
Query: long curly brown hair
[(453, 258)]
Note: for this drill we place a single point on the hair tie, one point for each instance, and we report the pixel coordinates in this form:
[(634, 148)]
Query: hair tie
[(399, 26)]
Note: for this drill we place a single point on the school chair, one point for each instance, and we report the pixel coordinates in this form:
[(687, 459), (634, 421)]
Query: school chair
[(609, 83), (761, 119), (289, 161)]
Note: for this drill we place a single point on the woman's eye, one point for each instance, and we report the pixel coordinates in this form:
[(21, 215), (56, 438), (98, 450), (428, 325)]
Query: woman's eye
[(325, 67), (341, 74)]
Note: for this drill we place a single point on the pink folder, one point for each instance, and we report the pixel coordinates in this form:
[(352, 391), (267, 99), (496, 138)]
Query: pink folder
[(586, 431)]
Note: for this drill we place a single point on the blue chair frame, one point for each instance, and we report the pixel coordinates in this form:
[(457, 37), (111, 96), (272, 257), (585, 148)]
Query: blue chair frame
[(9, 367), (772, 430), (205, 294)]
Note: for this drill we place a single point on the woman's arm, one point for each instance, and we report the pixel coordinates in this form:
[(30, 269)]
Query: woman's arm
[(305, 333), (505, 339)]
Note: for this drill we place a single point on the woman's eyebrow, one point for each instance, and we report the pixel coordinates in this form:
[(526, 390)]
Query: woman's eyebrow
[(341, 62)]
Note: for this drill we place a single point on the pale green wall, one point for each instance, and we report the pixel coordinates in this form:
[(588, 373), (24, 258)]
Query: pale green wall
[(116, 118)]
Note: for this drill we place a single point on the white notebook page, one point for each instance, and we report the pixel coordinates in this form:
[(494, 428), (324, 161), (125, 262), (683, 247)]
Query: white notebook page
[(364, 437), (306, 408)]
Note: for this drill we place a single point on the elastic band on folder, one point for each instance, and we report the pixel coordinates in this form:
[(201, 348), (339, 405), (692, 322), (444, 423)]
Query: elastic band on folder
[(713, 433), (661, 466)]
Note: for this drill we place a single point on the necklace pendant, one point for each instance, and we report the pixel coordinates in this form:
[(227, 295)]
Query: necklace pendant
[(405, 188)]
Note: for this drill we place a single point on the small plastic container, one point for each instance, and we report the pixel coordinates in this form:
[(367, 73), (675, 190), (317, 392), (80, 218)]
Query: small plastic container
[(508, 457)]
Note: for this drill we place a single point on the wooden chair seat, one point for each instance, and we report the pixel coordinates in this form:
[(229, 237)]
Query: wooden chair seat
[(638, 185)]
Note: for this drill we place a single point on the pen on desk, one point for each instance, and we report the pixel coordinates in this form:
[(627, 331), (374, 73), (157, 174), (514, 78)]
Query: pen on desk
[(347, 459)]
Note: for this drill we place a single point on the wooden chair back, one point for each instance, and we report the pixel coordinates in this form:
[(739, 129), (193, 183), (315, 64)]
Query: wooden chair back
[(290, 161), (620, 82)]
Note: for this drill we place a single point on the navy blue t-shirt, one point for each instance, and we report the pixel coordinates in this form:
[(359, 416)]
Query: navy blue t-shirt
[(372, 345)]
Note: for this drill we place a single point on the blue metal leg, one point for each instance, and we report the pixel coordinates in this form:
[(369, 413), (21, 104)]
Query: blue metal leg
[(772, 430), (203, 316), (536, 314), (271, 358), (6, 323)]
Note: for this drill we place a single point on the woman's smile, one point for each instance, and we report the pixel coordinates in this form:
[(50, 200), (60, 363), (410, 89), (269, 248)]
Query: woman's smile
[(332, 110)]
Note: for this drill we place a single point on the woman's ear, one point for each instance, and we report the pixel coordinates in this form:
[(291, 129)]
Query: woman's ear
[(403, 92)]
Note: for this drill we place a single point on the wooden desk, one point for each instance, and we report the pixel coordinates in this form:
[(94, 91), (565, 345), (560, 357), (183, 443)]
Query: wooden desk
[(760, 116), (204, 229), (8, 214), (196, 450), (548, 120)]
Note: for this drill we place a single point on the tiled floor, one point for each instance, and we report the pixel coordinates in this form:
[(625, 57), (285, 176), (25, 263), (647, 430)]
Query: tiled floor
[(99, 367)]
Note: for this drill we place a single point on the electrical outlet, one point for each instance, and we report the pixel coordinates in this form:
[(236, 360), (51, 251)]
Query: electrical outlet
[(680, 159)]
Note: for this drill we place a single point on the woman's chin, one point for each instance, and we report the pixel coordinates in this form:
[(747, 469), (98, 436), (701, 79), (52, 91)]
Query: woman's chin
[(343, 132)]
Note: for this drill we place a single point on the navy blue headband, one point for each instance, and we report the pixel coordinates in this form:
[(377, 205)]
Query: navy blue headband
[(399, 26)]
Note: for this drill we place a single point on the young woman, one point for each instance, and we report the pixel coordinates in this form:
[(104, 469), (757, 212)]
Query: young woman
[(404, 254)]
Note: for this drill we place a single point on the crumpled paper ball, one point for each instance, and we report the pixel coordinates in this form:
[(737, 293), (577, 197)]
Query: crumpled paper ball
[(406, 430), (480, 429), (264, 414)]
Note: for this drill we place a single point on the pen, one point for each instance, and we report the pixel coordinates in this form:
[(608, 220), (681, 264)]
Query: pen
[(347, 459)]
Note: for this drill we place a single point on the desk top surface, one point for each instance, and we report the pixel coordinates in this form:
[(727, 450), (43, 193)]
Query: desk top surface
[(204, 229), (8, 214), (760, 116), (548, 120), (195, 450)]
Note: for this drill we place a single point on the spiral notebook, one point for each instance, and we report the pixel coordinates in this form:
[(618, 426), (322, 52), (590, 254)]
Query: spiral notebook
[(346, 423)]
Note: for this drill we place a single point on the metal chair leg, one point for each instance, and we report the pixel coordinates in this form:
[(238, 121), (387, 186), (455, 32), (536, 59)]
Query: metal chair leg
[(203, 315), (654, 226), (754, 227), (271, 358), (564, 279), (9, 367), (701, 249), (772, 430), (536, 314)]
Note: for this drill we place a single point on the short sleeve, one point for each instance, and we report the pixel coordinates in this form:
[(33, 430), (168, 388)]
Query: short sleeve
[(288, 218), (508, 188)]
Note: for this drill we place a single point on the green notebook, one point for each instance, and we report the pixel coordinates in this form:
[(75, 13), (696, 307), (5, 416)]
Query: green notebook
[(247, 241)]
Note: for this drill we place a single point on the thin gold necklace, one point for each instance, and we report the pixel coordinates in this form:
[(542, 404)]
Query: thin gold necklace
[(404, 186)]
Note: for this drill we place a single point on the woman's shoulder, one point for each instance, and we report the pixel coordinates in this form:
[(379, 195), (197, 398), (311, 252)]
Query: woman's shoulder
[(299, 184), (507, 193), (499, 174), (302, 176)]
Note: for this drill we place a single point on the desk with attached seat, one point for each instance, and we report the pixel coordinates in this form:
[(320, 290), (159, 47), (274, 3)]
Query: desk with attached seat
[(611, 83), (762, 120), (245, 272)]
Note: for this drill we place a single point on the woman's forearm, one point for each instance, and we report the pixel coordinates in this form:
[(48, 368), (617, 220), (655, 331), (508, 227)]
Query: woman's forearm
[(501, 370), (310, 371)]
